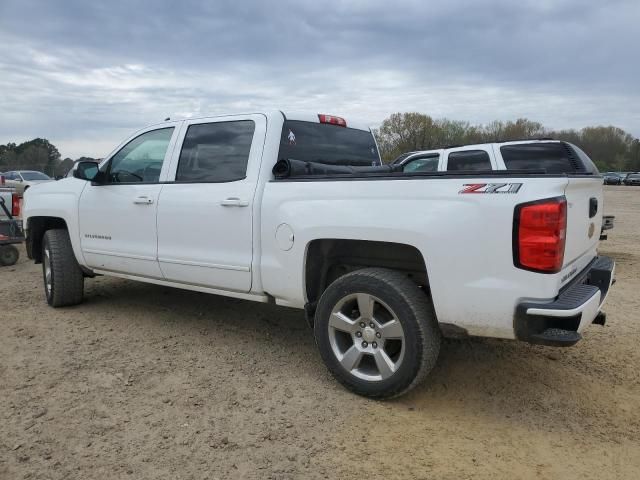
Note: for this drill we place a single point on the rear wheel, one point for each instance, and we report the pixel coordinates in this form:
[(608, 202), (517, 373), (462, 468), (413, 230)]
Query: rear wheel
[(8, 255), (377, 332), (63, 278)]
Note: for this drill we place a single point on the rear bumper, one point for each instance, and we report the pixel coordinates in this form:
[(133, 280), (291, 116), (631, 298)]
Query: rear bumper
[(559, 322)]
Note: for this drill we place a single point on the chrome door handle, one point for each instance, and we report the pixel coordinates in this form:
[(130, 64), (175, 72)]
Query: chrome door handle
[(234, 202), (143, 200)]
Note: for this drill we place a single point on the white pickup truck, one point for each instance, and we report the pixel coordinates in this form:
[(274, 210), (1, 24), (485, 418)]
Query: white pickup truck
[(297, 210)]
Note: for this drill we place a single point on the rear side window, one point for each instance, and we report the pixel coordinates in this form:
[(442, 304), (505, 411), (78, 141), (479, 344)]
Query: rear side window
[(215, 152), (587, 163), (422, 164), (326, 143), (468, 160), (554, 157)]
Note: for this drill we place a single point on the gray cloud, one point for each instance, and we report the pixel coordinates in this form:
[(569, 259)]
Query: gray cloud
[(84, 74)]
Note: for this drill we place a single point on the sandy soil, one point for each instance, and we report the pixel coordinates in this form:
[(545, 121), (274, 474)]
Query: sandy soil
[(147, 382)]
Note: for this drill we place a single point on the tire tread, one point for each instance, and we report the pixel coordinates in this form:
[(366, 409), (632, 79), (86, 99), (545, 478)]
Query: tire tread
[(68, 279)]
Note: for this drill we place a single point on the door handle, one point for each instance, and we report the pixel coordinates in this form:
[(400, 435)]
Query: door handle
[(143, 200), (234, 202)]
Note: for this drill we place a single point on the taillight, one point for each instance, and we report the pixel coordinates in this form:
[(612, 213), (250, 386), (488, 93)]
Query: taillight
[(15, 205), (539, 234), (340, 122)]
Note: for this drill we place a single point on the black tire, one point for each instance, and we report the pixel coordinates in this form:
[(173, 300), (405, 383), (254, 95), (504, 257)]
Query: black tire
[(407, 303), (66, 277), (9, 255)]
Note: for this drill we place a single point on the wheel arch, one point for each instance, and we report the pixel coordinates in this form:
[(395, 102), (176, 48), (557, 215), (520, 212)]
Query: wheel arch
[(36, 227), (329, 258)]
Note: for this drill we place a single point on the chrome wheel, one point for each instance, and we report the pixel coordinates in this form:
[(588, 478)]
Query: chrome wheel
[(46, 262), (366, 337)]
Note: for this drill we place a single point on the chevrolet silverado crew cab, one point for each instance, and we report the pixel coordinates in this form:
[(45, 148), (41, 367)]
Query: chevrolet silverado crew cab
[(299, 211)]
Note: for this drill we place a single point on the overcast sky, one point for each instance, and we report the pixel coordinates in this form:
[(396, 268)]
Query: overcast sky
[(85, 74)]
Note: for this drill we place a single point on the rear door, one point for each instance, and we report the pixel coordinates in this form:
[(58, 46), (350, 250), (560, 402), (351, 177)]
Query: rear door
[(205, 213)]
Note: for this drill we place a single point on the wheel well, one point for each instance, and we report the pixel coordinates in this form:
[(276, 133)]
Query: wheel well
[(328, 259), (36, 228)]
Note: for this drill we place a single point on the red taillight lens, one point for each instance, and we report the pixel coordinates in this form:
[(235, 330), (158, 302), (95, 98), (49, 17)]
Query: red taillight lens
[(540, 230), (15, 205), (341, 122)]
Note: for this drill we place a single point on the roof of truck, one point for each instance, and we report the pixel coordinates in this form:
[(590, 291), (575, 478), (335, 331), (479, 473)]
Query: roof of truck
[(305, 116)]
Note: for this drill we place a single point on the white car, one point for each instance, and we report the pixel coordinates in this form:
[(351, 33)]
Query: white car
[(22, 180), (295, 210), (542, 156)]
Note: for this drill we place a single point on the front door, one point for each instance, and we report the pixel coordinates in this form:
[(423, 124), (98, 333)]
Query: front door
[(205, 215), (118, 218)]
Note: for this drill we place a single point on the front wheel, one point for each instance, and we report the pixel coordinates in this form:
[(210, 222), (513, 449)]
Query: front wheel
[(63, 278), (377, 332)]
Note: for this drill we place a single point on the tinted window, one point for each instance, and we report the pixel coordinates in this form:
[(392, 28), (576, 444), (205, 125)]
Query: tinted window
[(326, 143), (469, 160), (215, 152), (422, 164), (587, 163), (140, 160), (35, 176), (550, 157)]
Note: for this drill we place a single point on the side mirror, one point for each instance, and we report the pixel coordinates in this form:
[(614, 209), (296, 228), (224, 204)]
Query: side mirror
[(86, 171)]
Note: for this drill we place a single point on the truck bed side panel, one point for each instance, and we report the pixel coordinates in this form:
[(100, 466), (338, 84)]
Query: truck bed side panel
[(465, 239)]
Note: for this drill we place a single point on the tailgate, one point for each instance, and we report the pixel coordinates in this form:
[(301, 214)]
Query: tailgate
[(584, 220)]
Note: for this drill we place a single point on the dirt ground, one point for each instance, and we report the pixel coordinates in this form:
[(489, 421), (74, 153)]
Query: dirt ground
[(148, 382)]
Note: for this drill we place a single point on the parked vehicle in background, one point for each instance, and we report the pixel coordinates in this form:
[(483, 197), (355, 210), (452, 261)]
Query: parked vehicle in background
[(548, 156), (612, 178), (22, 180), (632, 179), (295, 210), (10, 228), (11, 199)]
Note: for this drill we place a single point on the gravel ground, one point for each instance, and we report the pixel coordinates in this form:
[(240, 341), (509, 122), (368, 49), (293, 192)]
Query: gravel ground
[(148, 382)]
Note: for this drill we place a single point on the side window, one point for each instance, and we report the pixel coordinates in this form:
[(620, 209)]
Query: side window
[(422, 164), (140, 160), (469, 160), (551, 157), (215, 152)]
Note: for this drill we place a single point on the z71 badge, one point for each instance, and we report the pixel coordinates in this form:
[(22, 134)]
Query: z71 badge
[(491, 188)]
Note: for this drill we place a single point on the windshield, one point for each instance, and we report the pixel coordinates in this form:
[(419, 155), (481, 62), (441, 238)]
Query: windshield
[(325, 143), (29, 176)]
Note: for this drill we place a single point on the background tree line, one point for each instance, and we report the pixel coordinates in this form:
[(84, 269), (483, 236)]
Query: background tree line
[(37, 154), (611, 148)]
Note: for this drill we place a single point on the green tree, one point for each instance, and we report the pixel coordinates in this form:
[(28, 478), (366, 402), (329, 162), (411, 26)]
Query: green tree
[(611, 148)]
